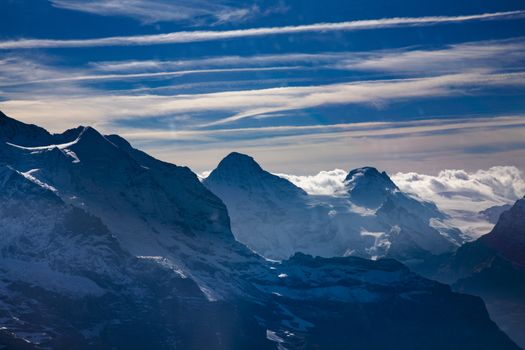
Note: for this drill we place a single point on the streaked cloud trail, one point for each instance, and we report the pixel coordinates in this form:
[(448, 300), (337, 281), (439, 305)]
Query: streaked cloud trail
[(163, 74), (152, 11), (97, 107), (198, 36)]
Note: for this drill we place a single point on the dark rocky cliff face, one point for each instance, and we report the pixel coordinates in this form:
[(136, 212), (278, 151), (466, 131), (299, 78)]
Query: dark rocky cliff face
[(493, 267)]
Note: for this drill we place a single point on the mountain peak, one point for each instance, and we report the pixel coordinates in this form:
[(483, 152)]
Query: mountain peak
[(240, 161), (370, 174), (369, 187), (241, 170), (237, 166), (91, 137), (93, 147)]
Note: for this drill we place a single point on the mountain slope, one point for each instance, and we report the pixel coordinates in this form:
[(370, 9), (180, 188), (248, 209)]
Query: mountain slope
[(108, 248), (372, 219), (493, 267), (65, 282), (368, 303)]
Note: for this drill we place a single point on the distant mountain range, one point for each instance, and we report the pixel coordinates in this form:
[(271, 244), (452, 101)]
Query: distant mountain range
[(106, 247), (370, 218)]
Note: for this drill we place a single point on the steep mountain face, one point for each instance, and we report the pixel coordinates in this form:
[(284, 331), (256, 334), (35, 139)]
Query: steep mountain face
[(372, 219), (262, 205), (239, 169), (508, 236), (368, 187), (506, 242), (493, 267), (65, 282), (105, 247), (142, 207)]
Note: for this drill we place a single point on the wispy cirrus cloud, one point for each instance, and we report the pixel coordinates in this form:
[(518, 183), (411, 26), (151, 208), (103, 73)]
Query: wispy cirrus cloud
[(489, 56), (91, 108), (128, 76), (43, 89), (354, 130), (152, 11), (377, 92), (198, 36), (493, 55), (219, 61)]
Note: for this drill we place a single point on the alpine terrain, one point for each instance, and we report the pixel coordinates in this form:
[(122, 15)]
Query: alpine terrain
[(106, 247)]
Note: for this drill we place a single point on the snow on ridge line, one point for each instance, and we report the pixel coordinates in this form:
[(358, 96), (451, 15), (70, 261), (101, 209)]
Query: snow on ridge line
[(164, 262), (28, 175), (44, 148)]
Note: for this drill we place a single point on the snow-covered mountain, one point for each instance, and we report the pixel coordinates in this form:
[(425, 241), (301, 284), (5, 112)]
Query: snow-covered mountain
[(105, 247), (370, 218)]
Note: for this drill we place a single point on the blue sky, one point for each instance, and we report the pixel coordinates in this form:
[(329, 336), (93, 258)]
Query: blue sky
[(300, 85)]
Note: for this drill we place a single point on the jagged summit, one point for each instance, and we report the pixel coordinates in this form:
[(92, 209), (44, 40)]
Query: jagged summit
[(69, 135), (88, 136), (29, 135), (369, 187), (369, 173), (92, 147)]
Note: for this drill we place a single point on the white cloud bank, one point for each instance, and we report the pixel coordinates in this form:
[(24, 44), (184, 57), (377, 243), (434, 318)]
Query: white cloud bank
[(495, 186), (199, 36), (480, 189), (459, 193), (463, 195), (323, 183)]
